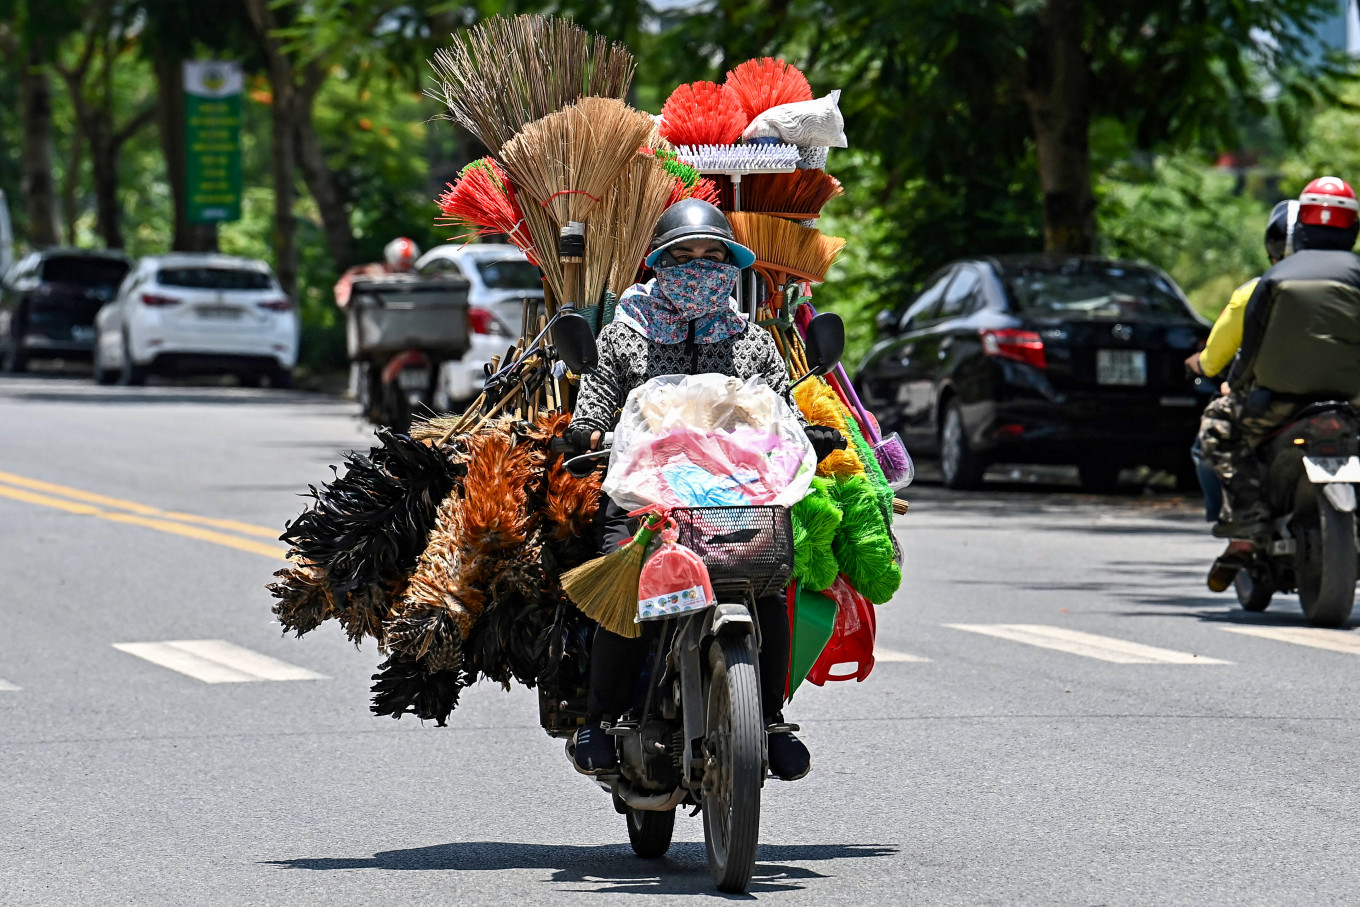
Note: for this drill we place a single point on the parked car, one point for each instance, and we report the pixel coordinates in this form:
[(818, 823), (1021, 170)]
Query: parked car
[(48, 302), (198, 313), (501, 278), (1042, 359)]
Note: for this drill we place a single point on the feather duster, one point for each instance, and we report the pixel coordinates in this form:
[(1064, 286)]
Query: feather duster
[(815, 521), (304, 597), (366, 610), (495, 511), (402, 686), (370, 523), (821, 406), (863, 545)]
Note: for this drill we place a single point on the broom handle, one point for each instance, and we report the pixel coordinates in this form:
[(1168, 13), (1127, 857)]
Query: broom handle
[(846, 389)]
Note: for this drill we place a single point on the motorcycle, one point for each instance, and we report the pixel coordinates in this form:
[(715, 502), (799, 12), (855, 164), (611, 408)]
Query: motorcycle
[(697, 736), (1310, 486)]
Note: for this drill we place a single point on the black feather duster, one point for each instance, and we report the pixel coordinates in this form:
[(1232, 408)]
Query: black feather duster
[(403, 687)]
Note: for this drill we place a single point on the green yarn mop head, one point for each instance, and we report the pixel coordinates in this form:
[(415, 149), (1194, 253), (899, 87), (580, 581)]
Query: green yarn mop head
[(815, 521)]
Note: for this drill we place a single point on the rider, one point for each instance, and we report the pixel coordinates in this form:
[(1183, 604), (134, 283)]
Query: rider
[(399, 257), (682, 322), (1280, 367), (1224, 341)]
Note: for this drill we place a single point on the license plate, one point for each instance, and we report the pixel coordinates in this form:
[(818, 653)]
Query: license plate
[(1332, 469), (218, 312), (414, 379), (1121, 367)]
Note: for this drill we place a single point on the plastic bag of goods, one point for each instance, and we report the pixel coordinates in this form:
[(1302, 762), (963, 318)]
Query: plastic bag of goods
[(674, 580), (817, 123), (708, 441)]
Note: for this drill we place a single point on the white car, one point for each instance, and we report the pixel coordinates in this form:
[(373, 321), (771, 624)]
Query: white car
[(197, 313), (500, 279)]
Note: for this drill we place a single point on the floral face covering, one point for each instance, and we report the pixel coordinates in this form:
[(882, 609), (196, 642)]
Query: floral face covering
[(699, 291)]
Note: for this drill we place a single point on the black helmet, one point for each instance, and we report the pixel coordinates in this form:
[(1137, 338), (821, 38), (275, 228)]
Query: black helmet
[(694, 219), (1280, 230)]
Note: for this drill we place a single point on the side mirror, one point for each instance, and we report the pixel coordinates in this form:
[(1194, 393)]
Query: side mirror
[(886, 321), (575, 343), (825, 342)]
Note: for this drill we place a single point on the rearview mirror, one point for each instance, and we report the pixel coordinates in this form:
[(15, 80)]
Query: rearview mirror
[(825, 342), (886, 321), (574, 341)]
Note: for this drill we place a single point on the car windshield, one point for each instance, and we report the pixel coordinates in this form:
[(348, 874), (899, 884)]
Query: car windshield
[(105, 273), (214, 278), (515, 274), (1096, 293)]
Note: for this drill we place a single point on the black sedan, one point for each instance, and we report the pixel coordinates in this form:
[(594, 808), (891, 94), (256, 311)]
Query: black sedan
[(1042, 359), (48, 301)]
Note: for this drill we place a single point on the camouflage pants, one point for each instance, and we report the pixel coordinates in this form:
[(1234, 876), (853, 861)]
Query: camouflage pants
[(1229, 432)]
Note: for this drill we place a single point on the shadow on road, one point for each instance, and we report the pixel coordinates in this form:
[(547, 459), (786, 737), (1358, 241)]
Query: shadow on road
[(610, 868)]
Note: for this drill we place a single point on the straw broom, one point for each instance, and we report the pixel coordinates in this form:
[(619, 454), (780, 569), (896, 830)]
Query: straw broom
[(606, 589), (622, 228), (785, 250), (506, 72), (566, 163)]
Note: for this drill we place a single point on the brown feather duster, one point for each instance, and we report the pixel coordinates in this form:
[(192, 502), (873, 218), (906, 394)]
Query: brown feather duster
[(304, 597), (495, 492), (365, 610)]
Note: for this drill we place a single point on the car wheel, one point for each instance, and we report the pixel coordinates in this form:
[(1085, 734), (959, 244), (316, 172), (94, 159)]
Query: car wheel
[(102, 375), (960, 466), (280, 378), (1099, 476), (130, 374)]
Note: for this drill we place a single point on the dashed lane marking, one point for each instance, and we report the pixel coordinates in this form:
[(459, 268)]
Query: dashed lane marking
[(216, 661), (1333, 640), (1074, 642), (161, 525), (889, 655), (7, 687)]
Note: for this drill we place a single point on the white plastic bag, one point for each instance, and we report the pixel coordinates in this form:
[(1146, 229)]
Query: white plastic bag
[(818, 123), (708, 441)]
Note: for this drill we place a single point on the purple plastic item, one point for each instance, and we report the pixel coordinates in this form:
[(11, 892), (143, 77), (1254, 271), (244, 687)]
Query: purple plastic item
[(895, 462), (847, 390)]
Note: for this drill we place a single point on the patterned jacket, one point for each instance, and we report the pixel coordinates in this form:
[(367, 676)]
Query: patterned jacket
[(628, 360)]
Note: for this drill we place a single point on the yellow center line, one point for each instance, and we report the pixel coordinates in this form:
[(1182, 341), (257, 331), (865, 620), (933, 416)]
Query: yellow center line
[(193, 532), (132, 506)]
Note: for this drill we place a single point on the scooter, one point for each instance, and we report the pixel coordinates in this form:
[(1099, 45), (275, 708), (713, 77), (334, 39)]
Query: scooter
[(697, 736), (1312, 473)]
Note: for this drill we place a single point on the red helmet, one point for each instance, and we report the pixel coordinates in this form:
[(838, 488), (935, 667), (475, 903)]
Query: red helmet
[(401, 254), (1328, 202)]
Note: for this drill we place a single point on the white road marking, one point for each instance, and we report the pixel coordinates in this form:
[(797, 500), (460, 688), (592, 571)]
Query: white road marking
[(1334, 640), (1089, 645), (882, 654), (7, 687), (215, 661)]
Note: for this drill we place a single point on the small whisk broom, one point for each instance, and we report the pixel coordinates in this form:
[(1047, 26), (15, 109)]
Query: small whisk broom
[(606, 589), (785, 251)]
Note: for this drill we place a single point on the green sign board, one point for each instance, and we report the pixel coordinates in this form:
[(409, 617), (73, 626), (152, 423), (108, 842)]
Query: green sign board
[(212, 123)]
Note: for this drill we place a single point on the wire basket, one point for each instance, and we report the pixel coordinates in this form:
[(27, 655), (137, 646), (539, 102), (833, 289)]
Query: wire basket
[(748, 550)]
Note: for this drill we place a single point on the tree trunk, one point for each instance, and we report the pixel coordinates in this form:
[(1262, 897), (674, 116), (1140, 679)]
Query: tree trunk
[(39, 189), (70, 185), (1057, 85), (170, 124), (321, 182), (283, 163), (104, 167)]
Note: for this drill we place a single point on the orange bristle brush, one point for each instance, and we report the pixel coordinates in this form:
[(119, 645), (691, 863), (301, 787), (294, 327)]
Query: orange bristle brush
[(702, 113), (758, 85), (799, 195), (483, 201)]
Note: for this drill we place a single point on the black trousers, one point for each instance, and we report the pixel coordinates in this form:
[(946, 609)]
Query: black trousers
[(616, 662)]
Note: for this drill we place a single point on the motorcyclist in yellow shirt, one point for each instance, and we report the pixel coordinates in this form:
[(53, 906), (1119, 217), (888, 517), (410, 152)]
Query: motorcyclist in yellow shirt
[(1223, 344)]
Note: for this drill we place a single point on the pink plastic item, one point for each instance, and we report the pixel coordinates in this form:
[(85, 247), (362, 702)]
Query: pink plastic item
[(674, 580), (852, 641)]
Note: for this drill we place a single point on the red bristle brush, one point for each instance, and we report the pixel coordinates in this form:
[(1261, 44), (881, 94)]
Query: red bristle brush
[(483, 201), (702, 113), (706, 191), (758, 85)]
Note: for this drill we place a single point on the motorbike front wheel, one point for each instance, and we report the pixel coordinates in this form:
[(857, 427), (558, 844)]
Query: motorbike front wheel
[(1326, 566), (734, 764), (650, 832)]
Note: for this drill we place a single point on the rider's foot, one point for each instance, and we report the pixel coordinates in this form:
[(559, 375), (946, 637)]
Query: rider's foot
[(1248, 524), (1236, 557), (594, 749), (789, 758)]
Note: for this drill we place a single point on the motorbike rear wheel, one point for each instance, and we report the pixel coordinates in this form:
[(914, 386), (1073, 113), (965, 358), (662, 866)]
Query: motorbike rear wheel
[(1254, 589), (734, 765), (1326, 566), (650, 832)]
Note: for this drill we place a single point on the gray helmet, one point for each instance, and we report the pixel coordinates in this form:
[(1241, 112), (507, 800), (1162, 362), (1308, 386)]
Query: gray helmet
[(693, 219)]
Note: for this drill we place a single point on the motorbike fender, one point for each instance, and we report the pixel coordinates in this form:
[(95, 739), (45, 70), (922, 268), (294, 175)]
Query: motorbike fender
[(1341, 497), (731, 620), (1327, 470)]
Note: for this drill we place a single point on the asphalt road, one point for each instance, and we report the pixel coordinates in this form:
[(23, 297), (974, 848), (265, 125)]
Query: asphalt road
[(995, 756)]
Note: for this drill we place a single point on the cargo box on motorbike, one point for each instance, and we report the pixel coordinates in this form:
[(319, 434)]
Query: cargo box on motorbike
[(402, 312)]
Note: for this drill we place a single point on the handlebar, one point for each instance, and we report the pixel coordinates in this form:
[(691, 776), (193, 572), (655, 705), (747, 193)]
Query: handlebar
[(583, 464)]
